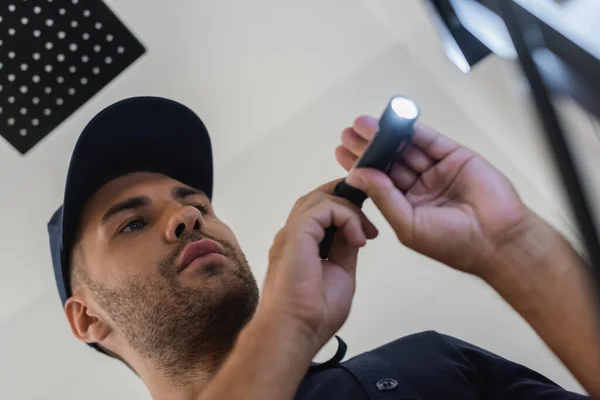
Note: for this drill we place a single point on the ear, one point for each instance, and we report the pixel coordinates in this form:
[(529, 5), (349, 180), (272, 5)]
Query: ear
[(87, 325)]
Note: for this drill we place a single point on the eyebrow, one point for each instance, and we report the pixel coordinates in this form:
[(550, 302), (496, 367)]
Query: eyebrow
[(129, 204), (181, 192), (178, 192)]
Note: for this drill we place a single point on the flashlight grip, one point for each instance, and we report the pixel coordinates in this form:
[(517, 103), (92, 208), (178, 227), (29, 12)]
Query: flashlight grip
[(347, 192), (357, 197)]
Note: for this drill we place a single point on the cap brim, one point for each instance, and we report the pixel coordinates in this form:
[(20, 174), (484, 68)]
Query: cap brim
[(137, 134)]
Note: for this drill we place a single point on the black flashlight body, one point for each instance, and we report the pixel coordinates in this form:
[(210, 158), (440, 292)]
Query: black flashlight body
[(392, 137)]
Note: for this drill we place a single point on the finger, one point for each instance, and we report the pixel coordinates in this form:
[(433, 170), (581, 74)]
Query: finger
[(366, 126), (328, 187), (343, 254), (319, 212), (345, 158), (325, 193), (433, 182), (353, 142), (416, 159), (402, 176), (433, 143), (343, 216), (353, 233), (388, 199), (313, 197), (368, 228)]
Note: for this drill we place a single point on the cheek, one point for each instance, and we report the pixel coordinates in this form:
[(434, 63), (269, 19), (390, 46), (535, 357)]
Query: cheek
[(221, 231), (137, 257)]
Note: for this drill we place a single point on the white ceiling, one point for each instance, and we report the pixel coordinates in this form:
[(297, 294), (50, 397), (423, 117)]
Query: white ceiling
[(275, 83)]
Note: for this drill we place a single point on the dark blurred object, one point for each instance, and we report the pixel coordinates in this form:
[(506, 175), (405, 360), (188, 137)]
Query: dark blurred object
[(464, 49), (557, 44), (54, 56), (563, 37)]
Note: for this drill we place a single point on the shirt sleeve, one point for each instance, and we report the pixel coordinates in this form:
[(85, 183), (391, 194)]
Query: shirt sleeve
[(500, 378)]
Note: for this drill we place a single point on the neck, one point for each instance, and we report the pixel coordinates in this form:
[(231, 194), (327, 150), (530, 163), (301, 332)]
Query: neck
[(185, 386)]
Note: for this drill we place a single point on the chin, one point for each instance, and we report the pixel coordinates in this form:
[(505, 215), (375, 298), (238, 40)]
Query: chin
[(213, 273)]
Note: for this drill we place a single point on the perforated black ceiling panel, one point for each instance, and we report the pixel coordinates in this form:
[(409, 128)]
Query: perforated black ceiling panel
[(54, 56)]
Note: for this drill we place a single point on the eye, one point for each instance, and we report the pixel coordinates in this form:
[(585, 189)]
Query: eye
[(136, 224), (201, 207)]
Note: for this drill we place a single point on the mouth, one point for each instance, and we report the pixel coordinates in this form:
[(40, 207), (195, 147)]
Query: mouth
[(203, 249)]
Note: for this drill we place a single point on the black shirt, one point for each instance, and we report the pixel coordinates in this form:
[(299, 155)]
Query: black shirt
[(425, 366)]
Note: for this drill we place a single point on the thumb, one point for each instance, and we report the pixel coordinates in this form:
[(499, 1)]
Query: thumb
[(387, 198)]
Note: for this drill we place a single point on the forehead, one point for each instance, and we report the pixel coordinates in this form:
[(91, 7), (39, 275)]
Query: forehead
[(126, 186)]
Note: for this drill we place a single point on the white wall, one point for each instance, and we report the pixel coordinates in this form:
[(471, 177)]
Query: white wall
[(276, 82)]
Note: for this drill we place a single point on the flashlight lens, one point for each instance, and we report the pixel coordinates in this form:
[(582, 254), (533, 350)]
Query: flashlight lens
[(405, 108)]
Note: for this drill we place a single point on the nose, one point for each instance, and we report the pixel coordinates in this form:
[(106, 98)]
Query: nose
[(184, 220)]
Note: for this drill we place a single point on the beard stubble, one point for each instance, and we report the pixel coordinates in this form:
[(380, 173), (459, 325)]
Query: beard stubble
[(181, 328)]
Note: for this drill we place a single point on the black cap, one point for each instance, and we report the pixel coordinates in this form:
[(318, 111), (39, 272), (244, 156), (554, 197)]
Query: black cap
[(138, 134)]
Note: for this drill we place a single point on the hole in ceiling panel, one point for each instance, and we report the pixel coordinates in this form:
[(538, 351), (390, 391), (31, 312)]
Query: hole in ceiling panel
[(58, 54)]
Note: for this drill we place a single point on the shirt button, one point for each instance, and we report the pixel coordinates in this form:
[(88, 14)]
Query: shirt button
[(386, 384)]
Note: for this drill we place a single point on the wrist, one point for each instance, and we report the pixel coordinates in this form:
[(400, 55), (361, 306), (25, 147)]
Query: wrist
[(289, 339), (268, 361), (544, 279), (529, 245)]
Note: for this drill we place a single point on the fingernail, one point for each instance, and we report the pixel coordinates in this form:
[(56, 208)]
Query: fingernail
[(354, 180)]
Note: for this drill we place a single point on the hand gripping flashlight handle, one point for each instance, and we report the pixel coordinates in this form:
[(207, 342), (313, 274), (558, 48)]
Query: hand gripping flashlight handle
[(394, 134), (346, 191)]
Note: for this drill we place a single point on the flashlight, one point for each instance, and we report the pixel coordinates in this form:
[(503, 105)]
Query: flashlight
[(396, 127)]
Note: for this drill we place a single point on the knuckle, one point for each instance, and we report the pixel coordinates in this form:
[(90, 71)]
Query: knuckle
[(299, 202), (278, 242), (309, 198), (278, 236), (350, 205), (346, 204), (347, 136), (387, 184), (332, 203), (383, 188)]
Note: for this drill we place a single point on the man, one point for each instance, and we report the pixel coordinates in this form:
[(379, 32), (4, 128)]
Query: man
[(150, 275)]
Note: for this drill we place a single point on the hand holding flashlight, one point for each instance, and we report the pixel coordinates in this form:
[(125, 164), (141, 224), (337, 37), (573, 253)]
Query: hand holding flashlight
[(395, 131), (446, 202)]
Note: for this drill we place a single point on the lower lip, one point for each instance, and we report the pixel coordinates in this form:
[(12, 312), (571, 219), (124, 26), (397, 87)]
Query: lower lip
[(200, 262)]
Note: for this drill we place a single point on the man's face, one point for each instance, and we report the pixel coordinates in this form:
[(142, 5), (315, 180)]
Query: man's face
[(172, 302)]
